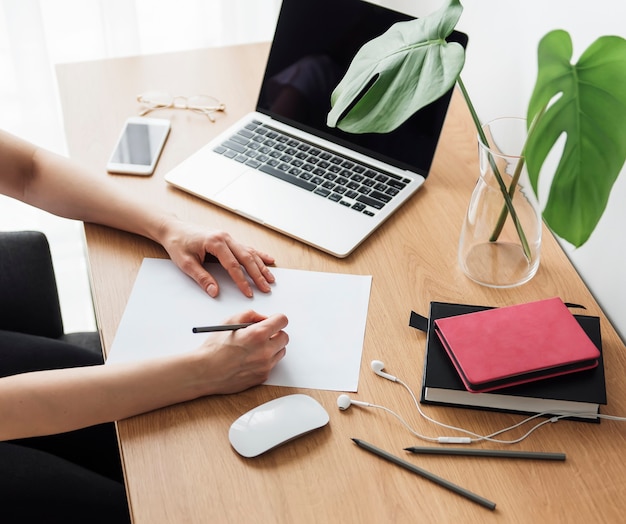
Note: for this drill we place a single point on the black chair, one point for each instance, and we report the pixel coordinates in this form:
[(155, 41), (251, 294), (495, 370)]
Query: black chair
[(29, 300)]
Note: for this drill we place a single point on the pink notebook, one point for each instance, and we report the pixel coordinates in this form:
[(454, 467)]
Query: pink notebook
[(502, 347)]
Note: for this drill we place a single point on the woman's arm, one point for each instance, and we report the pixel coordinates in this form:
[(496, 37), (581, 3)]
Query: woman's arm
[(55, 184), (55, 401)]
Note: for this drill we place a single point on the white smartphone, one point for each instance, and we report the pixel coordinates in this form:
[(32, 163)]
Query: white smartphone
[(139, 146)]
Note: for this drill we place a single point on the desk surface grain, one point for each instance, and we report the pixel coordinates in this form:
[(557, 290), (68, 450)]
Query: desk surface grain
[(178, 462)]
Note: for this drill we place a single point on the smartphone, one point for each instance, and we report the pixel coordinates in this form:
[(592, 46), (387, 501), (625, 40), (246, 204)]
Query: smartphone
[(139, 146)]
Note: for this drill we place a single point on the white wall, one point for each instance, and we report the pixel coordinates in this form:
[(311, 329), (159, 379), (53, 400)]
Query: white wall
[(500, 72)]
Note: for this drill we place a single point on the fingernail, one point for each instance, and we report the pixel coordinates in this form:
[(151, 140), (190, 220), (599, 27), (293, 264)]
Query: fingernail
[(212, 290)]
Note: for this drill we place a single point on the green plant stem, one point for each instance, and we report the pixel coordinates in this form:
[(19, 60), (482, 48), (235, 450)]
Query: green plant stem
[(515, 179), (505, 211), (505, 192)]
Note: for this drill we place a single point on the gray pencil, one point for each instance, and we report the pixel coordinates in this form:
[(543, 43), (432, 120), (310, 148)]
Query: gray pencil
[(431, 450), (426, 474), (223, 327)]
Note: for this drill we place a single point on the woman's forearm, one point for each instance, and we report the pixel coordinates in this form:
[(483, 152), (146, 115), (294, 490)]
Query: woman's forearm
[(56, 184), (90, 198), (55, 401)]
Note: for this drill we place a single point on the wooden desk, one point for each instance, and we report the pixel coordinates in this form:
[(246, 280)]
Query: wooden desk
[(178, 461)]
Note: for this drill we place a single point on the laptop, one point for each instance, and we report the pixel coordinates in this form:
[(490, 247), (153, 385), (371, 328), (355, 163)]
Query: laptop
[(283, 167)]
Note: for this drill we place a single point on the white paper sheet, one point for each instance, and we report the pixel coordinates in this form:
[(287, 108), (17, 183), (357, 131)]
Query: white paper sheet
[(327, 313)]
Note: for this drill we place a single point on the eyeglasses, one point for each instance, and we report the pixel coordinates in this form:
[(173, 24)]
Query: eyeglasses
[(204, 104)]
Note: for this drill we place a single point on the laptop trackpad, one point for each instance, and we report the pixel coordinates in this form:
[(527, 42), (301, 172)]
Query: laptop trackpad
[(259, 197), (205, 173)]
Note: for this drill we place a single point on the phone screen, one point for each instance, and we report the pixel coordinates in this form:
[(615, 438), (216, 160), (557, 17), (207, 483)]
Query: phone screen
[(139, 144)]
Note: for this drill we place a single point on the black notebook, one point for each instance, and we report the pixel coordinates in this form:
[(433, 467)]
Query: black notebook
[(582, 392)]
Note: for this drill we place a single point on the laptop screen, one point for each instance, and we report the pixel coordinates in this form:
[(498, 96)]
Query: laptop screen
[(314, 43)]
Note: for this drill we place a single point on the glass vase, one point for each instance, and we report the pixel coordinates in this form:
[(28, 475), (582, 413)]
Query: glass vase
[(500, 248)]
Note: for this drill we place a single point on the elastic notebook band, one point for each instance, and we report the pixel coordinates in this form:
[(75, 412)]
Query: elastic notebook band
[(418, 321)]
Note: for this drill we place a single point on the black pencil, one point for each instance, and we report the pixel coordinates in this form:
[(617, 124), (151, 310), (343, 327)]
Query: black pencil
[(426, 474), (222, 327), (431, 450)]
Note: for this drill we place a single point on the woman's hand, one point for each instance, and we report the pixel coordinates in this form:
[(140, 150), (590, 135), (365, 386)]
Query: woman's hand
[(237, 360), (188, 246)]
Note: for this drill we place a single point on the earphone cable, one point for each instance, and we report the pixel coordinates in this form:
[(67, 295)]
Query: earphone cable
[(488, 438), (551, 417)]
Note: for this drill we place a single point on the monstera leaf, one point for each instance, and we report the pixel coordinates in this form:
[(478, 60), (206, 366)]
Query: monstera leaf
[(398, 73), (589, 107), (411, 65)]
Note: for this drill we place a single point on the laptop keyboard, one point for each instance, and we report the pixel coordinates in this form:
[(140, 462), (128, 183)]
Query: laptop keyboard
[(326, 174)]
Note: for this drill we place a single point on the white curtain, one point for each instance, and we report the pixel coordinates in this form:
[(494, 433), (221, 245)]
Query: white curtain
[(35, 35)]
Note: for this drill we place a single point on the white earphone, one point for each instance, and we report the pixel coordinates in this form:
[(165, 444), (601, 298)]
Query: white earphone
[(378, 366), (344, 402)]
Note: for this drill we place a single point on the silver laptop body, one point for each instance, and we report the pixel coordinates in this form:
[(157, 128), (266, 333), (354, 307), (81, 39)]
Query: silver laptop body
[(321, 186)]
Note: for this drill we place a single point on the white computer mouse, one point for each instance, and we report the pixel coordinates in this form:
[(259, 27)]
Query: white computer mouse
[(276, 422)]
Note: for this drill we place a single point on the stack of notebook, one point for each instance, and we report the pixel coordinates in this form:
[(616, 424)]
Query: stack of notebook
[(529, 358)]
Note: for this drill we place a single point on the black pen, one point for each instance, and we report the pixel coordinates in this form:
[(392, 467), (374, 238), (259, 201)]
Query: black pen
[(431, 450), (223, 327), (426, 474)]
